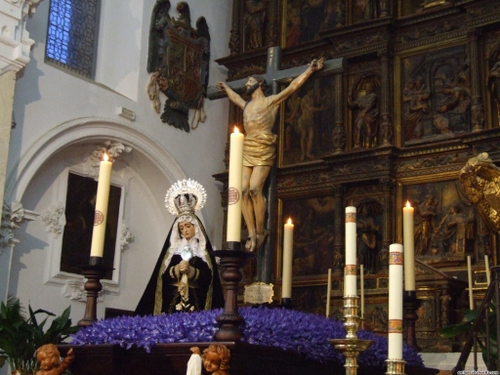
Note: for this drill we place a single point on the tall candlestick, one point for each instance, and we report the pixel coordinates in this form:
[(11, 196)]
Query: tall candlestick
[(362, 286), (408, 246), (469, 277), (101, 208), (395, 329), (487, 265), (328, 292), (350, 252), (287, 260), (234, 188)]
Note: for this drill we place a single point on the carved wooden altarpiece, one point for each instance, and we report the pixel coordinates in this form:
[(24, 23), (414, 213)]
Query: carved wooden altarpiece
[(418, 95)]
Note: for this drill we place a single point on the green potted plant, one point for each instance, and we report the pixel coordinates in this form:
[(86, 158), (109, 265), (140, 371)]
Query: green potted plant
[(463, 328), (20, 336)]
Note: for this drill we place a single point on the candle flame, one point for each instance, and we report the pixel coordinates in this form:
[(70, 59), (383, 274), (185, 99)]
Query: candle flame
[(408, 204), (105, 157), (236, 130), (289, 220)]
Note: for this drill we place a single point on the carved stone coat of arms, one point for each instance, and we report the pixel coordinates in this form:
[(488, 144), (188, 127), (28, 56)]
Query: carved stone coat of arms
[(178, 60)]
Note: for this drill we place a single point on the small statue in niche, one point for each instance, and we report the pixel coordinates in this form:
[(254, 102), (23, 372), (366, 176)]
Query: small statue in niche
[(494, 81), (366, 9), (254, 20), (367, 230), (334, 14), (425, 215), (456, 230), (367, 119), (50, 360), (216, 359), (445, 307)]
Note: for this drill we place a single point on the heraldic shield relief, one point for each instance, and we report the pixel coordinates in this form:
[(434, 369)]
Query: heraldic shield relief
[(178, 61)]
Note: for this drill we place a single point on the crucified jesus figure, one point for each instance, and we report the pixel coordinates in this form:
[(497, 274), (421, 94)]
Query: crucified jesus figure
[(259, 146)]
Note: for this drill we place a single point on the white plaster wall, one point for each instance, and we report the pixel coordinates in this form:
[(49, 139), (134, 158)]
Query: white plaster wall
[(47, 99)]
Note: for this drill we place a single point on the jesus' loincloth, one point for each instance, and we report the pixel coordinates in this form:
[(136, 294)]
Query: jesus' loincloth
[(259, 149)]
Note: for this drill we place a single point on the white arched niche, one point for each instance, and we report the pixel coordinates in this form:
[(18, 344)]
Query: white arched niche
[(143, 172)]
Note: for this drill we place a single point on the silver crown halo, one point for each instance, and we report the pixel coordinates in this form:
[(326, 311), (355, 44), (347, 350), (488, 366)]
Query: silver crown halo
[(176, 203)]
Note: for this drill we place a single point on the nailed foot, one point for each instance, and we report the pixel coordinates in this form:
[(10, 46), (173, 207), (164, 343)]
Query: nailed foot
[(251, 242)]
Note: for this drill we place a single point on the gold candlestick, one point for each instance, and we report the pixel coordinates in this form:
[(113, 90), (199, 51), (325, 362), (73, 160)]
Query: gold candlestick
[(395, 366), (351, 346)]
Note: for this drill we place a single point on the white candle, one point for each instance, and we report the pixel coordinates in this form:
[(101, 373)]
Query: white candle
[(234, 187), (350, 252), (395, 328), (487, 265), (328, 292), (469, 277), (408, 246), (101, 208), (362, 285), (287, 260)]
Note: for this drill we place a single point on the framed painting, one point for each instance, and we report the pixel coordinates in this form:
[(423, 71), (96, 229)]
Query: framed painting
[(77, 234), (307, 122)]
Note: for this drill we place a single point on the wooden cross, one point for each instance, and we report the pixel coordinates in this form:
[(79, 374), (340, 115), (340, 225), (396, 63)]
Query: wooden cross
[(275, 77)]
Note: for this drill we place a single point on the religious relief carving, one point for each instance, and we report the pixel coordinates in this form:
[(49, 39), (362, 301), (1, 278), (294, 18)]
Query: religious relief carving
[(54, 219), (178, 59), (445, 223), (363, 101), (436, 98)]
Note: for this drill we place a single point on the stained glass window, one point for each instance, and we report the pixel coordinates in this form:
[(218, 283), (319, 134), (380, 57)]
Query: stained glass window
[(72, 35)]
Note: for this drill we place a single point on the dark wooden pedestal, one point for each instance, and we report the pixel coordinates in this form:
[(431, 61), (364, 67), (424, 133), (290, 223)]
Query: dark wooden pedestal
[(171, 359)]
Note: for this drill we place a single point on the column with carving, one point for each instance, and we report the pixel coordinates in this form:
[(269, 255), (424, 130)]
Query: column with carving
[(388, 185), (338, 133), (15, 47), (338, 241), (386, 97), (235, 38), (477, 109), (272, 26)]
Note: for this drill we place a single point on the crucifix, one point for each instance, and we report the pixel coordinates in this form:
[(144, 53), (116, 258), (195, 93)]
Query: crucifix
[(259, 149)]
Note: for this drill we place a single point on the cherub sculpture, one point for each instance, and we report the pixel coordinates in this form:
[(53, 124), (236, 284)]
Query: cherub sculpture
[(216, 359), (50, 360)]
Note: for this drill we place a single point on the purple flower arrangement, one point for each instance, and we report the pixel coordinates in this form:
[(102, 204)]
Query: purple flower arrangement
[(304, 333)]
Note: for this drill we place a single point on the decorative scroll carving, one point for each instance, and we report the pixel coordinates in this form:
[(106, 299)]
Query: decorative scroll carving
[(54, 219), (13, 216), (126, 237), (112, 149)]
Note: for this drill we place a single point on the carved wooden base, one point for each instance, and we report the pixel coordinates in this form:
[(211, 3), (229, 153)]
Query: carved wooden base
[(94, 272), (410, 306), (230, 320)]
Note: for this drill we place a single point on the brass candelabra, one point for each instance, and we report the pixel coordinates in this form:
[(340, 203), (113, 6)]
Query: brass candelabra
[(351, 346)]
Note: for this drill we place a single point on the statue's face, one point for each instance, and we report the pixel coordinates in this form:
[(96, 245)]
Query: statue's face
[(186, 229), (211, 361), (251, 85)]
